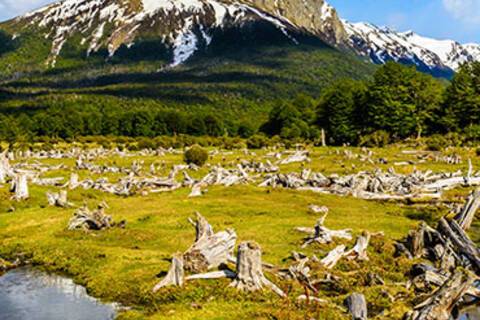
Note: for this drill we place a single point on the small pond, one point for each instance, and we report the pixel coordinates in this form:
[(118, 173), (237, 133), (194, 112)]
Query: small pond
[(26, 293)]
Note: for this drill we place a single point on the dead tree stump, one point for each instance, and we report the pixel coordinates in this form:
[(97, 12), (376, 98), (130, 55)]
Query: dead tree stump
[(359, 251), (250, 276), (209, 250), (20, 187), (175, 276)]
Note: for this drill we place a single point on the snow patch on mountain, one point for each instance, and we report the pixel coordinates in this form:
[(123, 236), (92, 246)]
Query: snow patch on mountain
[(382, 44)]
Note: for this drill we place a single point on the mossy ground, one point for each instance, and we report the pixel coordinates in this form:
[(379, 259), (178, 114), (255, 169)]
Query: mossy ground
[(122, 264)]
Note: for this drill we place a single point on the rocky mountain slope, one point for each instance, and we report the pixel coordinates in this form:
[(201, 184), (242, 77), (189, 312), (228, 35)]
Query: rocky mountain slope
[(182, 25), (439, 57), (187, 27)]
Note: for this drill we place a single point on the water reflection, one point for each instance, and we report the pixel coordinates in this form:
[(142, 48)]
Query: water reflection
[(472, 313), (26, 293)]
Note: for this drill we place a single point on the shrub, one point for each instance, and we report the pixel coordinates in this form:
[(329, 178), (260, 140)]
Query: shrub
[(477, 152), (146, 143), (196, 155), (257, 142), (378, 139), (436, 142)]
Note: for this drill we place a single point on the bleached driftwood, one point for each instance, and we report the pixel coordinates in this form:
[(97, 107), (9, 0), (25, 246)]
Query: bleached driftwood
[(322, 234), (175, 276), (333, 257), (85, 219), (460, 241), (317, 209), (209, 250), (58, 199), (357, 306), (466, 215), (73, 182), (20, 187), (196, 191), (440, 304), (213, 275), (299, 156), (359, 251), (250, 275), (4, 167)]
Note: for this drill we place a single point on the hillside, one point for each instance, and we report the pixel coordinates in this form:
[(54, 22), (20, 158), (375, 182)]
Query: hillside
[(248, 64)]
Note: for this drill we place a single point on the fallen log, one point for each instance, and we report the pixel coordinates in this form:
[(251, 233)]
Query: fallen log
[(460, 240), (249, 275), (440, 304), (322, 234), (333, 257), (466, 215)]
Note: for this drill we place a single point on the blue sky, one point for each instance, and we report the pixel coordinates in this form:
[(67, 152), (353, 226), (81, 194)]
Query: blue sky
[(453, 19)]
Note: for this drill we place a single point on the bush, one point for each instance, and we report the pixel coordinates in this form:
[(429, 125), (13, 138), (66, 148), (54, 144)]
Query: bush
[(378, 139), (257, 142), (196, 155), (436, 142)]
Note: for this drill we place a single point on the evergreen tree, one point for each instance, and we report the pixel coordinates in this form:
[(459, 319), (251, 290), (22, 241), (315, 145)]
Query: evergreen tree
[(462, 99)]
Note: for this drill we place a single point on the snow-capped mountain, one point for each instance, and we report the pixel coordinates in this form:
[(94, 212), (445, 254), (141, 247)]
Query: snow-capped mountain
[(182, 25), (382, 44), (185, 27)]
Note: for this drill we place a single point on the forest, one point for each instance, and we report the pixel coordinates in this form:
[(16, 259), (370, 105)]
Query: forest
[(396, 103)]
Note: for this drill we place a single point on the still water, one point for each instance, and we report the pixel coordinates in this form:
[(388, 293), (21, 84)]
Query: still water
[(29, 294)]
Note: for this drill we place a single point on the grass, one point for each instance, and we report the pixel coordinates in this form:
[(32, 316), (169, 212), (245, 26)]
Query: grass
[(122, 264)]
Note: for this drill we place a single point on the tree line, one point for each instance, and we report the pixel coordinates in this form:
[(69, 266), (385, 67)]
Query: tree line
[(397, 103)]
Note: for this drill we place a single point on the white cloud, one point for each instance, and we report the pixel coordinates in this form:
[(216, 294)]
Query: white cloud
[(467, 11)]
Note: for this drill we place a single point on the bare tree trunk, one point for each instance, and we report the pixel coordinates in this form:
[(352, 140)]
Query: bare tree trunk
[(324, 141), (250, 276)]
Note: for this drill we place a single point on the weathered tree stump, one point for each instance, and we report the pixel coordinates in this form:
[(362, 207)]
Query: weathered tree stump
[(20, 187), (359, 251), (250, 276), (357, 306), (209, 250), (58, 199), (175, 276), (439, 306)]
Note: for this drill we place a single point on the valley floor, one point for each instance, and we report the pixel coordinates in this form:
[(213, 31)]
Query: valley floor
[(122, 264)]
